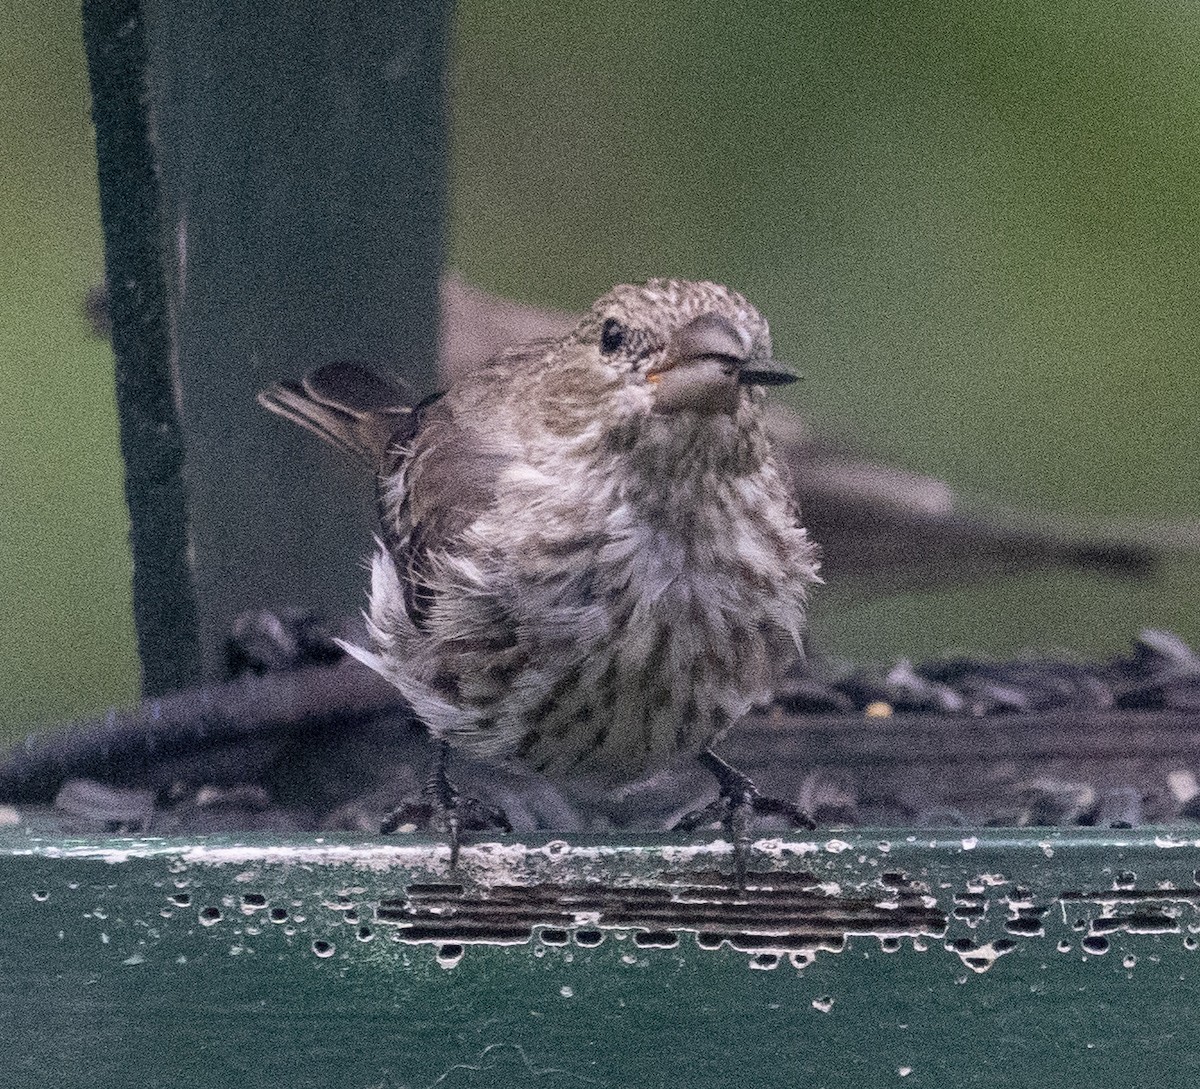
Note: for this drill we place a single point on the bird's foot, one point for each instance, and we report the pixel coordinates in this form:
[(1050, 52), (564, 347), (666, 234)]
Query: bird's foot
[(443, 810), (735, 808)]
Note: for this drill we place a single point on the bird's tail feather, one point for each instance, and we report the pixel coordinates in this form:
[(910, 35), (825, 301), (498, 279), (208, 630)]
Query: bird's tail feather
[(348, 405)]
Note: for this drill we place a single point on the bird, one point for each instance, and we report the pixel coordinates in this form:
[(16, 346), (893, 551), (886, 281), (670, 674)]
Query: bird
[(589, 560)]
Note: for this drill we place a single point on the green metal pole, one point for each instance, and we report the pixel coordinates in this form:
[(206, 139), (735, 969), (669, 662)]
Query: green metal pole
[(152, 441), (301, 160)]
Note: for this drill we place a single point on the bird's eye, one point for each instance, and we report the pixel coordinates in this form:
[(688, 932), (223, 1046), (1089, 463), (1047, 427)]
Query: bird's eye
[(612, 336)]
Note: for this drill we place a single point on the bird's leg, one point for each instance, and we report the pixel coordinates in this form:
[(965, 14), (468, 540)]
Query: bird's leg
[(735, 806), (444, 810)]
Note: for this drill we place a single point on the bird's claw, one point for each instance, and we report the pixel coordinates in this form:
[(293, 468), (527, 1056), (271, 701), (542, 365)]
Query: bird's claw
[(453, 820), (443, 810), (735, 807)]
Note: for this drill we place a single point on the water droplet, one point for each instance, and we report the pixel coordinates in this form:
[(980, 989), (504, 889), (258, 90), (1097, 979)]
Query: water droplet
[(655, 939), (566, 992), (1095, 943)]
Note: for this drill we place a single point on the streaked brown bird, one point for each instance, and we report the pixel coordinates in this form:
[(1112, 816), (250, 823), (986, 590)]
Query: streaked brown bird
[(589, 560)]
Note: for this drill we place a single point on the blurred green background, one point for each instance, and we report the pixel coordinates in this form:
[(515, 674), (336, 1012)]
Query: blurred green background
[(974, 227)]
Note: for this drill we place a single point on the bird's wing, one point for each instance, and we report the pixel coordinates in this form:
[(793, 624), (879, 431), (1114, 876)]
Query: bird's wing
[(434, 476), (430, 492)]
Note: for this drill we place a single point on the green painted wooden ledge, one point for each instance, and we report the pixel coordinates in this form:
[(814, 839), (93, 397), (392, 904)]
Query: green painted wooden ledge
[(864, 958)]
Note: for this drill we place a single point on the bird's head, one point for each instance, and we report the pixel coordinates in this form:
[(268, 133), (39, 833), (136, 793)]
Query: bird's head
[(658, 366), (669, 346)]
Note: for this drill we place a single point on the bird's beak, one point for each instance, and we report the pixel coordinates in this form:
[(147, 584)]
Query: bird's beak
[(705, 363), (768, 372)]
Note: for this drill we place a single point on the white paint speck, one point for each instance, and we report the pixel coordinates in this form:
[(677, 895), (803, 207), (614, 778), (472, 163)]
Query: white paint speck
[(981, 959)]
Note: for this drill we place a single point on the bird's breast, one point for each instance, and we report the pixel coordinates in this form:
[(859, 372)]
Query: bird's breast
[(653, 636)]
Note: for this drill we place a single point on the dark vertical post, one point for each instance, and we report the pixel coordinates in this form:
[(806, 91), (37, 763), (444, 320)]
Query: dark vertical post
[(164, 599), (303, 158)]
